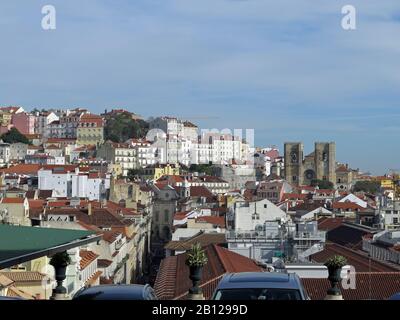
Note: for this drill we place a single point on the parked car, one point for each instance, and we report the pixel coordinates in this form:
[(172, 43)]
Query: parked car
[(117, 292), (260, 286), (396, 296)]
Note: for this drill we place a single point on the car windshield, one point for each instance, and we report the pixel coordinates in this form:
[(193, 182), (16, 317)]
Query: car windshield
[(258, 294)]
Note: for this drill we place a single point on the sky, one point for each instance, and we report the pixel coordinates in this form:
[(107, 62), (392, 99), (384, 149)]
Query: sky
[(286, 69)]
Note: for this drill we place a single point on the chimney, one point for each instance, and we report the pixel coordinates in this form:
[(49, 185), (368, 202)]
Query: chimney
[(90, 208)]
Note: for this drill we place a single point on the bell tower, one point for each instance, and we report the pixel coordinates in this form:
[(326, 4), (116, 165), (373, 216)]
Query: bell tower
[(294, 153)]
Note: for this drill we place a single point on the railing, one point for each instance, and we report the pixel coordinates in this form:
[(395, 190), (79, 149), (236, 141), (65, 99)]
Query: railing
[(308, 235), (250, 235), (237, 235)]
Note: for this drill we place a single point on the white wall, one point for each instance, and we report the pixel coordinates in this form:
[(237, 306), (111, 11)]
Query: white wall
[(248, 215)]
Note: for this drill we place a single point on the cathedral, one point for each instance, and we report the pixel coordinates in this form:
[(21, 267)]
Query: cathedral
[(320, 164)]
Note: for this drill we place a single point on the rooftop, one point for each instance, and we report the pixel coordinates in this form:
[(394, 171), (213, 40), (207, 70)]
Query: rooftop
[(21, 244), (173, 278)]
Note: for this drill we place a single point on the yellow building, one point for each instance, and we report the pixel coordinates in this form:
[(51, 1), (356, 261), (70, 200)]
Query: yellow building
[(155, 172), (90, 130), (386, 182), (5, 118)]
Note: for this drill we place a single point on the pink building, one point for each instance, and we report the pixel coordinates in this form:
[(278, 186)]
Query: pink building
[(24, 122)]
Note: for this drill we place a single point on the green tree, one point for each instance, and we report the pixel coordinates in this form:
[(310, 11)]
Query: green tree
[(14, 136), (133, 173), (322, 184), (202, 168), (367, 186), (122, 127)]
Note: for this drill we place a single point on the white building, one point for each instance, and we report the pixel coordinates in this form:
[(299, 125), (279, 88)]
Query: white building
[(145, 151), (4, 152), (43, 119), (18, 151), (64, 183), (354, 199), (173, 127), (123, 154), (249, 216)]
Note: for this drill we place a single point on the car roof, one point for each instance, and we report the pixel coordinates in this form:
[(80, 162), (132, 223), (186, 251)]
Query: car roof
[(260, 280), (114, 292)]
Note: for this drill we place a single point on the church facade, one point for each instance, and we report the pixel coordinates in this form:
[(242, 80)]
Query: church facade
[(320, 164)]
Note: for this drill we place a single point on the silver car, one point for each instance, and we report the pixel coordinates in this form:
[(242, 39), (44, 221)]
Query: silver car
[(260, 286)]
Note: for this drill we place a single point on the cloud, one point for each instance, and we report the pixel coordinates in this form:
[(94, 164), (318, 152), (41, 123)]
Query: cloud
[(286, 68)]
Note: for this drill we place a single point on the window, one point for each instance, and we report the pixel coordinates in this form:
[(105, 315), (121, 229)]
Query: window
[(395, 220), (265, 205), (166, 216), (294, 178)]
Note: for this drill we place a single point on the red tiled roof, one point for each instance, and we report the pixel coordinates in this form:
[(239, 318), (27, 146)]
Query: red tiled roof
[(347, 206), (219, 221), (24, 276), (355, 258), (87, 257), (294, 196), (327, 191), (110, 236), (171, 178), (327, 224), (308, 188), (103, 263), (92, 118), (36, 204), (173, 278), (200, 191), (203, 238), (369, 286), (58, 203), (22, 169), (13, 200)]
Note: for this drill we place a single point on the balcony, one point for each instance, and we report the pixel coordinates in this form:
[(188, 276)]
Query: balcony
[(253, 236), (309, 236)]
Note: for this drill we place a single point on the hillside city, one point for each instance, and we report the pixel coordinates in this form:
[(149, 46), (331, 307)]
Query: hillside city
[(124, 200)]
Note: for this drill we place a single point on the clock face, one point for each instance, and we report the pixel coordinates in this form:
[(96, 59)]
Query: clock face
[(293, 157), (309, 174)]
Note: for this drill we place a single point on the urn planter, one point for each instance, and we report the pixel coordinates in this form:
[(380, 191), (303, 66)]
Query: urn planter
[(334, 265), (196, 260), (334, 278), (195, 276), (60, 262)]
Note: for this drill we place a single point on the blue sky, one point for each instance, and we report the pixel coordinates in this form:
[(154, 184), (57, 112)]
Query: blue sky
[(285, 68)]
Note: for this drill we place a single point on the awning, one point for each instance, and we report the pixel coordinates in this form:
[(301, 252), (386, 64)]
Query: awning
[(22, 244)]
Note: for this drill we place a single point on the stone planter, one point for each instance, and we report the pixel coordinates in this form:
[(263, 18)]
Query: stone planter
[(60, 275), (334, 278), (195, 276)]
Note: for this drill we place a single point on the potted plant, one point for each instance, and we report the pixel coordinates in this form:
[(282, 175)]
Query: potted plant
[(335, 265), (196, 260), (60, 261)]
